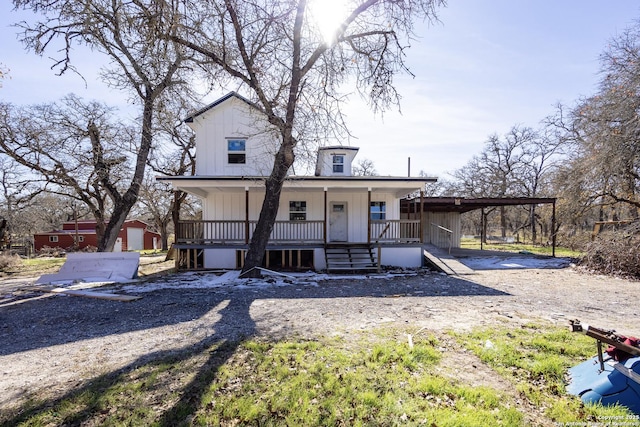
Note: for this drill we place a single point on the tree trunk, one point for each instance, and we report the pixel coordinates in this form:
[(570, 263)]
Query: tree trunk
[(273, 189), (175, 212), (162, 225), (484, 227), (503, 222), (534, 234), (123, 204)]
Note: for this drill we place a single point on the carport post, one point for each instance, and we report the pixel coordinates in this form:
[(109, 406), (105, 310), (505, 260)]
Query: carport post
[(481, 227)]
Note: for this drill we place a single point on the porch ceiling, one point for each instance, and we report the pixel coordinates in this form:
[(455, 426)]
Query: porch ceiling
[(202, 186)]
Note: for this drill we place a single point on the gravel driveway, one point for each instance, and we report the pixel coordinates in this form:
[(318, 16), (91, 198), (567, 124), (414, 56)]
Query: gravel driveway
[(55, 342)]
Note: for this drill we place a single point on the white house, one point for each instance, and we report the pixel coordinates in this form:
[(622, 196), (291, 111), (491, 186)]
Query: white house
[(329, 221)]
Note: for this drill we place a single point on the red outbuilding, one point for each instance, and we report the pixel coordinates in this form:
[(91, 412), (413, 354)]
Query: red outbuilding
[(133, 236)]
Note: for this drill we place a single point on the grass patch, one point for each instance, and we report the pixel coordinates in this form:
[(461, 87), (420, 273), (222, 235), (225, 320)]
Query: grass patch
[(536, 358), (469, 243), (152, 252), (33, 266), (336, 383), (377, 380)]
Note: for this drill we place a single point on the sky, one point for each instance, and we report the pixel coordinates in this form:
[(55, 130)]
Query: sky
[(485, 67)]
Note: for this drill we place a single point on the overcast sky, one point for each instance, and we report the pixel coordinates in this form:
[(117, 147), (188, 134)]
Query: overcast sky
[(488, 65)]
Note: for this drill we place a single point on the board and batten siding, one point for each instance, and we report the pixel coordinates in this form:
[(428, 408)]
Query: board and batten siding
[(229, 205), (229, 120), (437, 237)]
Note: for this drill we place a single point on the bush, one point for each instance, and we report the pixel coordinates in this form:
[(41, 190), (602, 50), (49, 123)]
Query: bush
[(575, 241), (48, 251), (615, 252), (88, 248), (8, 260)]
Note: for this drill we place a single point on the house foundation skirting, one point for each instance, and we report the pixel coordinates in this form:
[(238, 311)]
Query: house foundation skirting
[(289, 257)]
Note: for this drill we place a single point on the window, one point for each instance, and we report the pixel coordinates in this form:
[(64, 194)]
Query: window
[(236, 151), (378, 210), (338, 163), (297, 211), (53, 239), (80, 239)]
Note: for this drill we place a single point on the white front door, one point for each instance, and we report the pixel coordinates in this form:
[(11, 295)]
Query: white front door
[(118, 245), (338, 222)]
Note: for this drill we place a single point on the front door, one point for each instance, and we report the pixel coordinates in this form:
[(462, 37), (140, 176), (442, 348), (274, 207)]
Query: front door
[(338, 222)]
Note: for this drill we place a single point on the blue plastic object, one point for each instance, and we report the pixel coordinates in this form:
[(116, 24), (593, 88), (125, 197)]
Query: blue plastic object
[(612, 386)]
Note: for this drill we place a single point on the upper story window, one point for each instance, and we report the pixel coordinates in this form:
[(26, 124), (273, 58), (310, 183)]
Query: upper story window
[(338, 163), (297, 211), (378, 210), (236, 153)]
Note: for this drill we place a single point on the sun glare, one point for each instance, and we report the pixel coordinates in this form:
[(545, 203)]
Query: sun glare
[(328, 15)]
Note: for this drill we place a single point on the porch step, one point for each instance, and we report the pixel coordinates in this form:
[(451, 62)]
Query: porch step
[(350, 257), (443, 261)]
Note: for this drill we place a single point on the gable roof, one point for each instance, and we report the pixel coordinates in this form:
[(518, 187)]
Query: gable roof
[(218, 102), (338, 147)]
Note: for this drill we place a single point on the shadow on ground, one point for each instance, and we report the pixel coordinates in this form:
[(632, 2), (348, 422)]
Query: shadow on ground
[(59, 320)]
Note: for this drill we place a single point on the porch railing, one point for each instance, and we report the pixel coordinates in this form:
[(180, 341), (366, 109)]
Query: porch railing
[(294, 231), (235, 232), (239, 232), (441, 236), (204, 232)]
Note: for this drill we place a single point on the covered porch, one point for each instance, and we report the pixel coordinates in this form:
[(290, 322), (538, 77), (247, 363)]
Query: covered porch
[(314, 213), (367, 208)]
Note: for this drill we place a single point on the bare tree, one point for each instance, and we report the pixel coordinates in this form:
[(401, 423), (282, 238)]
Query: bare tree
[(365, 167), (602, 174), (542, 155), (499, 170), (276, 53), (18, 189), (4, 73), (144, 65), (159, 202), (77, 148), (175, 156)]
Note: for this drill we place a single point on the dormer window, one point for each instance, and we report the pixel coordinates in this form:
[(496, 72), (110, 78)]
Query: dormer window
[(338, 163), (236, 153)]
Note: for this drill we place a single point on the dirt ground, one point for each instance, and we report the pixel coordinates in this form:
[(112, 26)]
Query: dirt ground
[(53, 343)]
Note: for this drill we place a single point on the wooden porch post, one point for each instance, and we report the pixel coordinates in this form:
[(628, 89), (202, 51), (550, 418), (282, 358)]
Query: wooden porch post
[(420, 216), (246, 215), (324, 222), (369, 215)]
